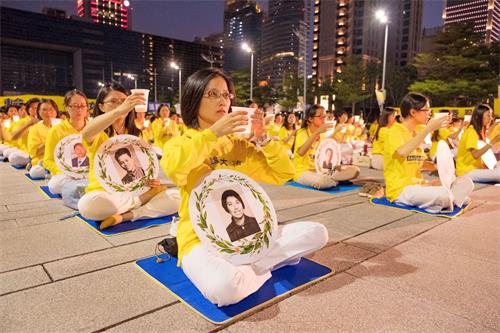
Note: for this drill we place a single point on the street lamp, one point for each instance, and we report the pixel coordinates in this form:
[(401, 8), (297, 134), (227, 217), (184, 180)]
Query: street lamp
[(155, 75), (247, 48), (175, 66), (100, 84), (132, 77), (381, 16)]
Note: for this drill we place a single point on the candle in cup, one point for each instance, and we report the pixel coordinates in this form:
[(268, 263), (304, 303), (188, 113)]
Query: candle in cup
[(145, 93), (247, 127)]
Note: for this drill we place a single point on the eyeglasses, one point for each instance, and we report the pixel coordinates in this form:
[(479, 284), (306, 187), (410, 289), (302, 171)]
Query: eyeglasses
[(114, 101), (320, 116), (216, 94), (75, 106), (425, 110)]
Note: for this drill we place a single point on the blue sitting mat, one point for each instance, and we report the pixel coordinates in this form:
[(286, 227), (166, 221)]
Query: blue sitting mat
[(282, 282), (19, 167), (384, 202), (127, 226), (341, 187), (37, 178), (45, 190)]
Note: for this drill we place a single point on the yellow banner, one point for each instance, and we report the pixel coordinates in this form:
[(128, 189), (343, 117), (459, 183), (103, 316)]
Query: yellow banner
[(24, 98)]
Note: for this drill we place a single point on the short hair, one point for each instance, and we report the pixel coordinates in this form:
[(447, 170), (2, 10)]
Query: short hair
[(194, 88), (310, 113), (411, 101), (248, 102), (122, 151), (329, 149), (46, 101), (227, 194), (32, 101), (69, 95), (160, 107), (77, 144)]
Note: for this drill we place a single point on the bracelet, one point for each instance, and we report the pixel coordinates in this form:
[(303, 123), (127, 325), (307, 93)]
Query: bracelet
[(263, 141)]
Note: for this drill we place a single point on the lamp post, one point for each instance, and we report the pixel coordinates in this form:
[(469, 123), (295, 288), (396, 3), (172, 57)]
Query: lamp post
[(175, 66), (132, 77), (247, 48), (155, 74), (381, 16)]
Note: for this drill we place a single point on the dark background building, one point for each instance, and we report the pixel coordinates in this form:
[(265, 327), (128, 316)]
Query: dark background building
[(42, 54), (114, 13)]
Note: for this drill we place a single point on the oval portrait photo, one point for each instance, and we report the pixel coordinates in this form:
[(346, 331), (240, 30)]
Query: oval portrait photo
[(123, 164), (71, 156), (327, 156), (233, 216)]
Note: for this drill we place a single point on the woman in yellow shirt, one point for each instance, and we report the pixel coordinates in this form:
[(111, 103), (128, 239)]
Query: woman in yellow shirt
[(404, 157), (207, 145), (114, 115), (387, 118), (287, 131), (447, 134), (163, 128), (469, 162), (307, 140), (9, 125), (47, 110), (75, 103)]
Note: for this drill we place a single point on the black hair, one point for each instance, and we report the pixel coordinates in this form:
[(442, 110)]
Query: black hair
[(339, 114), (46, 101), (120, 152), (383, 120), (435, 134), (248, 102), (227, 194), (310, 113), (286, 124), (77, 144), (129, 120), (69, 95), (477, 118), (32, 101), (194, 88), (413, 101), (160, 107)]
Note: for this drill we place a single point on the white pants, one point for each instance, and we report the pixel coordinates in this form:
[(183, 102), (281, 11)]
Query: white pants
[(346, 152), (322, 181), (19, 157), (3, 147), (37, 171), (223, 283), (485, 175), (436, 198), (56, 182), (378, 162), (158, 150), (98, 205), (10, 150)]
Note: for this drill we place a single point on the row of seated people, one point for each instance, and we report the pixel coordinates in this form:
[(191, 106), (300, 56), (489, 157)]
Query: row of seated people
[(211, 135)]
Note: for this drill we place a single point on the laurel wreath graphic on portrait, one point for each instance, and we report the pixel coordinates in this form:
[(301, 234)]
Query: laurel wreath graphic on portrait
[(246, 249), (63, 156), (113, 183)]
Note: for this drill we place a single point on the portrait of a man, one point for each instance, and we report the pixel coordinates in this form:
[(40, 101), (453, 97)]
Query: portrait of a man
[(130, 165), (327, 162), (241, 225), (81, 159)]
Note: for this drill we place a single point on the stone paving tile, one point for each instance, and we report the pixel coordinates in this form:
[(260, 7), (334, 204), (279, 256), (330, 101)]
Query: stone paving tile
[(306, 210), (344, 303), (3, 209), (22, 278), (7, 199), (85, 303), (65, 268), (396, 232), (461, 285), (8, 224), (175, 318), (284, 197), (341, 257), (140, 235), (23, 247), (33, 205), (35, 212), (45, 219)]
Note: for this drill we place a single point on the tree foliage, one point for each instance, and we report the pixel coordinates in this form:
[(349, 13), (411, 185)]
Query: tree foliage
[(351, 86)]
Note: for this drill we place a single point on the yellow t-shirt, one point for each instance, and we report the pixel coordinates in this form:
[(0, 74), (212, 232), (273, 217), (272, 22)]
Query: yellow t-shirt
[(443, 134), (378, 144), (22, 142), (36, 137), (465, 161), (306, 161), (273, 130), (91, 151), (162, 133), (494, 132), (373, 129), (400, 171), (345, 137), (147, 133), (190, 157), (56, 134), (283, 134)]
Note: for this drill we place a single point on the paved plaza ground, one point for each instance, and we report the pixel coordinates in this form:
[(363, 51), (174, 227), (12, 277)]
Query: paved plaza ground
[(397, 271)]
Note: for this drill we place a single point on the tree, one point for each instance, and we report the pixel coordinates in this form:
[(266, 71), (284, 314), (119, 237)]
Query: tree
[(351, 84), (461, 69), (241, 80)]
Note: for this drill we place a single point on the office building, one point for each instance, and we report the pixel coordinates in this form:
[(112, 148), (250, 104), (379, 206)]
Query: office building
[(113, 13)]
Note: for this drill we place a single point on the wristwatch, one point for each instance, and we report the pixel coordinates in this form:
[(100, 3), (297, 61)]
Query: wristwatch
[(262, 141)]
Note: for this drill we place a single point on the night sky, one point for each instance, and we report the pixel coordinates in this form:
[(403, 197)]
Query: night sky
[(185, 19)]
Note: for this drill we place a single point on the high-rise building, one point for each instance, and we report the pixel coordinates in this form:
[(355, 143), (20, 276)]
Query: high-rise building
[(348, 27), (242, 24), (284, 40), (113, 13), (484, 13)]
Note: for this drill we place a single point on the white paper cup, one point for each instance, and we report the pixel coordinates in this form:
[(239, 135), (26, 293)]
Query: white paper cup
[(15, 118), (6, 123), (440, 115), (146, 123), (467, 117), (247, 127), (55, 121), (166, 122), (356, 119), (142, 107), (329, 132)]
